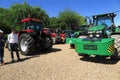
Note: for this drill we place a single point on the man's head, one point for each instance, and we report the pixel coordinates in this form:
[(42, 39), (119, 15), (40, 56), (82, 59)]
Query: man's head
[(13, 30)]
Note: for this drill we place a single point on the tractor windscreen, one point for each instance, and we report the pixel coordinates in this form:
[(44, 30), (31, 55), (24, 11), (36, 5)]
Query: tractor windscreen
[(35, 26), (32, 25), (106, 21)]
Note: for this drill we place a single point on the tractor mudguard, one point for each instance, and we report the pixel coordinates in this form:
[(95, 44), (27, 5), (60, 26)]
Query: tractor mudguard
[(30, 32), (104, 47)]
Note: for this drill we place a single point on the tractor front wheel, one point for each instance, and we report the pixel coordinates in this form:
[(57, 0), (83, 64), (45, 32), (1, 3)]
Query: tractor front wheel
[(26, 44), (117, 47), (72, 46)]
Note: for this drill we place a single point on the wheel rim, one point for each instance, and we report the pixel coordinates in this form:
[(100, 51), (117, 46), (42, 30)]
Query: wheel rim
[(23, 45), (53, 40)]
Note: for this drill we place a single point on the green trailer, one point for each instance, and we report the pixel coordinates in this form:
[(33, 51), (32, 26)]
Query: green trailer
[(103, 38)]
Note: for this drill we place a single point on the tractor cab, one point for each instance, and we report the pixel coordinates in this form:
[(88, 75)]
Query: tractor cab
[(103, 25), (31, 24)]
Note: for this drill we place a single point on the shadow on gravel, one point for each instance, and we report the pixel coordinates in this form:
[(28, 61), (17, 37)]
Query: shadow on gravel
[(101, 60), (22, 59), (34, 55), (45, 52)]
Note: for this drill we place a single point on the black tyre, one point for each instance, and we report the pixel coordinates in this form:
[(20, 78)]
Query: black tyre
[(117, 47), (26, 44), (72, 46), (48, 44)]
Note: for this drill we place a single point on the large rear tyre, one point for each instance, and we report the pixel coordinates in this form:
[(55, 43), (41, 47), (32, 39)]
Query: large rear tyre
[(48, 44), (26, 44), (117, 47)]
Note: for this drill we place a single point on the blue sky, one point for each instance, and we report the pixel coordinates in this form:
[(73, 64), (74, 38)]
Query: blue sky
[(82, 7)]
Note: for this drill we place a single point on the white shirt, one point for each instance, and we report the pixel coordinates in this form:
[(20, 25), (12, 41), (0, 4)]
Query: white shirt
[(13, 38)]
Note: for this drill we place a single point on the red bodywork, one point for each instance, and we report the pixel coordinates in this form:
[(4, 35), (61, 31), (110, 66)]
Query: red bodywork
[(53, 34), (46, 30), (62, 35), (30, 19)]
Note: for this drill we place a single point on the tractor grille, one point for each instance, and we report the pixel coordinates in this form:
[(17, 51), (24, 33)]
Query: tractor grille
[(111, 48), (90, 47)]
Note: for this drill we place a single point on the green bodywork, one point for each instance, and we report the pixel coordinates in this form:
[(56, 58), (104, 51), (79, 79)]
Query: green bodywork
[(116, 29), (96, 28), (78, 32), (93, 48), (103, 46), (98, 40)]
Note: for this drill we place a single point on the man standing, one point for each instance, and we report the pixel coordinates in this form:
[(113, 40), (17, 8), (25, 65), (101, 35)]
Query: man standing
[(13, 40), (2, 40)]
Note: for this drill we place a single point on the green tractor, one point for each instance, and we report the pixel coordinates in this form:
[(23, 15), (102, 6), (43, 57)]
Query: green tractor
[(103, 38), (82, 33)]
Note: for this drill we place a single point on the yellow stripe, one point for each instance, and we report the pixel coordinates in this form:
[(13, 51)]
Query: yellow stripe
[(111, 48)]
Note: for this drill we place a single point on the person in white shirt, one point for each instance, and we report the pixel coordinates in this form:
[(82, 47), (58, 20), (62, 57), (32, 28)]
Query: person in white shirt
[(13, 40)]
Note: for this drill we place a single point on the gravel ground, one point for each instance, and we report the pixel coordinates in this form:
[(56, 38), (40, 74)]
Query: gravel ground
[(62, 63)]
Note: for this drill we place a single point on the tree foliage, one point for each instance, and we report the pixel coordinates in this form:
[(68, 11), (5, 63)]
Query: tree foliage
[(12, 16), (56, 23), (71, 19)]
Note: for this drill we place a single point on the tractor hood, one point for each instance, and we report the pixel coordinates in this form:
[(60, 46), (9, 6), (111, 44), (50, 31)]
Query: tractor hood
[(96, 28)]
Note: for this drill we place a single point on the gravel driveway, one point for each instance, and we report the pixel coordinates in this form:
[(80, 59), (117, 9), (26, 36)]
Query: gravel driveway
[(62, 63)]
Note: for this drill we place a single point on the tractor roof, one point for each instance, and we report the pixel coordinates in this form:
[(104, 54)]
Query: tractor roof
[(104, 15), (30, 19)]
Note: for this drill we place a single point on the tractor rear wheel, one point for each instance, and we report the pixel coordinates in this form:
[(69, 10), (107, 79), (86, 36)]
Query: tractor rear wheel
[(26, 44), (48, 44), (117, 47)]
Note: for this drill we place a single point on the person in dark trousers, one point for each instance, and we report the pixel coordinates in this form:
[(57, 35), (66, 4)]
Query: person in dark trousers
[(13, 40), (2, 40)]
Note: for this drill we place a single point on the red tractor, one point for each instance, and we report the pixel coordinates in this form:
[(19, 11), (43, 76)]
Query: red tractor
[(33, 37), (58, 37)]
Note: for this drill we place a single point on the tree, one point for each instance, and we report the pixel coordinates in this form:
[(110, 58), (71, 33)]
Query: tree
[(71, 19), (12, 16)]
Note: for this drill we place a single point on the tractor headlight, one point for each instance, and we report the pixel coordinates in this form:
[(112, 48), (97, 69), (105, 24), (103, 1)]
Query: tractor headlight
[(91, 35), (97, 35)]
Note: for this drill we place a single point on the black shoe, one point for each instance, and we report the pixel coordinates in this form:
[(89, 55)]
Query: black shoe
[(12, 61), (2, 63), (19, 60)]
